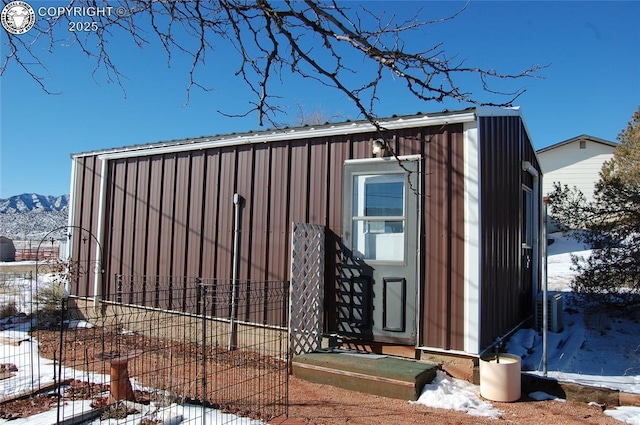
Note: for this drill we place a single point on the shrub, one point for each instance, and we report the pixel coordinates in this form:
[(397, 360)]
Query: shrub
[(9, 310)]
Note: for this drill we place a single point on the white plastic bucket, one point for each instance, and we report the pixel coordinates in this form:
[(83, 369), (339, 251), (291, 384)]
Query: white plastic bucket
[(500, 377)]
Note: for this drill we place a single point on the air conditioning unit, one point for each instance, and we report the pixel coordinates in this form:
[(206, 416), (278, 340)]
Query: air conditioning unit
[(555, 312)]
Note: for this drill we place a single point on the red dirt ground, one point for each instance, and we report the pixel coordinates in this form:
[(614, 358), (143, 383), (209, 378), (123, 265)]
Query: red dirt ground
[(321, 404), (311, 403)]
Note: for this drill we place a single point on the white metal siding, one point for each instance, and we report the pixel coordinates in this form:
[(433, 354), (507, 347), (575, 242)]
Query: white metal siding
[(570, 165)]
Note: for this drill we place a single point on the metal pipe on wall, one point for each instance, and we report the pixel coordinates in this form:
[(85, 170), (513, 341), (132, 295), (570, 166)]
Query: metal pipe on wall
[(233, 326), (545, 285), (97, 283)]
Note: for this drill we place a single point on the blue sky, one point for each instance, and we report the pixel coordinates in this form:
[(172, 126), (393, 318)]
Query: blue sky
[(591, 86)]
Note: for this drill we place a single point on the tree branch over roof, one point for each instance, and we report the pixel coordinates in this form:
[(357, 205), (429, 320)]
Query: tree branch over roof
[(317, 40)]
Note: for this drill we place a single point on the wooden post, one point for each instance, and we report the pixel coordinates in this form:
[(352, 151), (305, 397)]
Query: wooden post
[(120, 383), (120, 387)]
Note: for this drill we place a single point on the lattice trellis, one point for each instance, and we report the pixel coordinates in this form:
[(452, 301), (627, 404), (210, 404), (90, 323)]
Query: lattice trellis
[(307, 283)]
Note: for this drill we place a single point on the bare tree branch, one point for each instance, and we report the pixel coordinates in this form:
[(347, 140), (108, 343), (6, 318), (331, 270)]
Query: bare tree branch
[(320, 41)]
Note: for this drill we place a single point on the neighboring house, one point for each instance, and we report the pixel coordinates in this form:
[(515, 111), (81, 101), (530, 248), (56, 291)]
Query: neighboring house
[(575, 162), (433, 251)]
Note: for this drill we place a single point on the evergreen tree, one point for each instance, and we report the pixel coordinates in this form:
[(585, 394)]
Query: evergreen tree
[(610, 224)]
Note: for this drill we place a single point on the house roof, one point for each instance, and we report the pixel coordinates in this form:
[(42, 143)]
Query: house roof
[(585, 137), (308, 131)]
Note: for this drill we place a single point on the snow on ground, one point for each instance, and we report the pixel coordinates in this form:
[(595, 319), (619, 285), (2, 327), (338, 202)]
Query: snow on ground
[(20, 349), (559, 254), (592, 349), (628, 414), (446, 392), (171, 415), (17, 347)]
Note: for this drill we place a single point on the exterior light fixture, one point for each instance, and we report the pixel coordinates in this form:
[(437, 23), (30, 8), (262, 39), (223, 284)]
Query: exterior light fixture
[(379, 148)]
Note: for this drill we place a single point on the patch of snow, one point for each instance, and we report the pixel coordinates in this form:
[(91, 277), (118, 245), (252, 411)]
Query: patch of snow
[(74, 324), (22, 350), (541, 396), (627, 414), (446, 392), (171, 415)]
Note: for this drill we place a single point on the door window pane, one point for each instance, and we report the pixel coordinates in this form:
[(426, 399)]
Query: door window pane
[(379, 216), (384, 199)]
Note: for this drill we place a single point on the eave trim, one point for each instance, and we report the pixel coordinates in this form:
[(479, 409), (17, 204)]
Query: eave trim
[(283, 135)]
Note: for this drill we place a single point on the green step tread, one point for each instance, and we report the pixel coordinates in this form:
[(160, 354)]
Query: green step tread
[(373, 365)]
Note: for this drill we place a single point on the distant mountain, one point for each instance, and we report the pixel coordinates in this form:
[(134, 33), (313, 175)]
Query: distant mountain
[(31, 216), (32, 201)]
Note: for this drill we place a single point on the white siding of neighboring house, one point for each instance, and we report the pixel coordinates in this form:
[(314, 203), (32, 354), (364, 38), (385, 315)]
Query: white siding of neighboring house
[(570, 165)]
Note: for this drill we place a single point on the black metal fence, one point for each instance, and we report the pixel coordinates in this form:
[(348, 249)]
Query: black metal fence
[(169, 349)]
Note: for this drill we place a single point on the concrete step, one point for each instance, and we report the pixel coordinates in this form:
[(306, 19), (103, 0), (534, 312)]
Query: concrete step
[(364, 372)]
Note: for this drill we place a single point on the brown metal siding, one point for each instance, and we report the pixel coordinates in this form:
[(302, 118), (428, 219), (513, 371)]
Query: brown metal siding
[(172, 215), (87, 183), (140, 205), (277, 230), (443, 234), (113, 233), (154, 214), (225, 190), (129, 212), (277, 261), (317, 213), (181, 213), (338, 152), (167, 221), (259, 218), (244, 187), (299, 185), (196, 194), (209, 223), (502, 147)]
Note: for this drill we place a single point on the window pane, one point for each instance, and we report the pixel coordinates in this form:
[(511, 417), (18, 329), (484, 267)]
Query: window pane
[(379, 240), (384, 199), (378, 195)]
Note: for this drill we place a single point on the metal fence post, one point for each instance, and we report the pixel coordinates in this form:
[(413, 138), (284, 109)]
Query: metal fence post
[(203, 299), (57, 380)]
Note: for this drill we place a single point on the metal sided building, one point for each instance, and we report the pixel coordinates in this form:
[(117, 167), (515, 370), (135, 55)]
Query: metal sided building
[(434, 247)]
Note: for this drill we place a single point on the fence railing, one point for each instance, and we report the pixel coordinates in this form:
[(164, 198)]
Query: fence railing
[(157, 348), (33, 254)]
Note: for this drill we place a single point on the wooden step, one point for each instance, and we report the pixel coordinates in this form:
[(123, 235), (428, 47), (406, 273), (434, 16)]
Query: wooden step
[(369, 373)]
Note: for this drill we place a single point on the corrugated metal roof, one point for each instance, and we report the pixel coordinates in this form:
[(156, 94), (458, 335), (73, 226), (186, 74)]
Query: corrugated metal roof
[(293, 133)]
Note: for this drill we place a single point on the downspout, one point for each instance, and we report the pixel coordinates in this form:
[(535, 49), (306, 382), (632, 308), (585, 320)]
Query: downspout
[(233, 327), (97, 281), (72, 200), (538, 234), (545, 282)]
